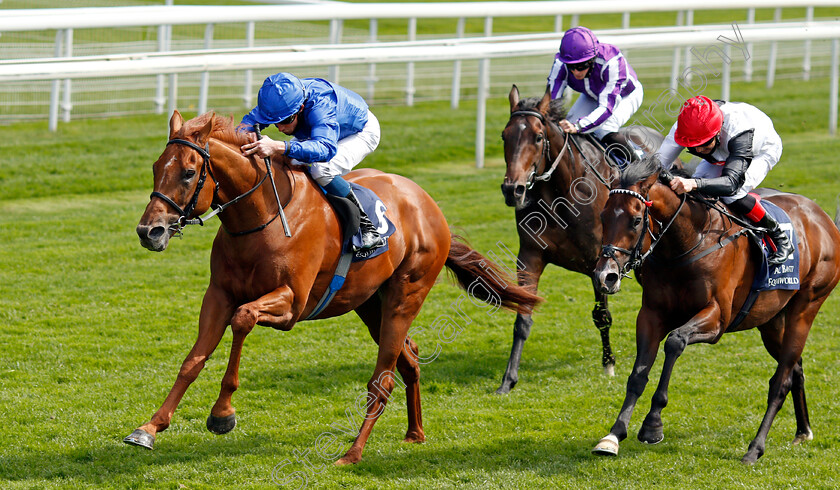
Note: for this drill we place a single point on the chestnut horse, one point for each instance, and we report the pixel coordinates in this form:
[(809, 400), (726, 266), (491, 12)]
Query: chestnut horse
[(266, 278), (696, 279), (558, 186)]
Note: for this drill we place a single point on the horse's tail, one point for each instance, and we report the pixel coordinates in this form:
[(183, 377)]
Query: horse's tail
[(485, 280)]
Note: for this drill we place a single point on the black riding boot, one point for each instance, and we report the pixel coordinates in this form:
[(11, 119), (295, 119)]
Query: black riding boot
[(621, 146), (370, 237), (783, 246)]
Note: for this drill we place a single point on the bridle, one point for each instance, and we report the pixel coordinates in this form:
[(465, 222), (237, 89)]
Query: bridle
[(636, 256), (533, 178), (185, 213)]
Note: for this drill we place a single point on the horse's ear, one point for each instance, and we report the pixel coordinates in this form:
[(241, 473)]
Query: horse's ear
[(545, 102), (175, 123), (202, 134), (513, 97)]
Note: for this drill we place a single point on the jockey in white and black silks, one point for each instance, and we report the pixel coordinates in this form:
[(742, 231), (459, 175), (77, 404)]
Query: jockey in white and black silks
[(610, 91), (739, 146), (333, 131)]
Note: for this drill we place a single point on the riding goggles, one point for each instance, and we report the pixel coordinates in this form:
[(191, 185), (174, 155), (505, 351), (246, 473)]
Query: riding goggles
[(583, 65)]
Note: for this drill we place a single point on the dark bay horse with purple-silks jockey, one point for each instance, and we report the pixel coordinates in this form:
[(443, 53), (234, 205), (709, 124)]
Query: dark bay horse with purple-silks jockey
[(696, 268), (261, 276), (558, 185)]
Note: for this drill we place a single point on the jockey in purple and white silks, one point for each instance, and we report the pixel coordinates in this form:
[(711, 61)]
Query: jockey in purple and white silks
[(610, 91)]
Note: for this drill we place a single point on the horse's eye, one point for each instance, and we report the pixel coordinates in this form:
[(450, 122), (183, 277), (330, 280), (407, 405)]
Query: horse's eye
[(637, 221), (190, 173), (539, 138)]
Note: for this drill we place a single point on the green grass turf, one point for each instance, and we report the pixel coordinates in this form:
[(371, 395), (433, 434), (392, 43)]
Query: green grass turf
[(94, 329)]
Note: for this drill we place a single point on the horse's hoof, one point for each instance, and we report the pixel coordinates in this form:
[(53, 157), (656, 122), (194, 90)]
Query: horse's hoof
[(347, 460), (221, 425), (415, 438), (140, 438), (609, 370), (651, 434), (749, 459), (505, 387), (608, 446), (800, 438)]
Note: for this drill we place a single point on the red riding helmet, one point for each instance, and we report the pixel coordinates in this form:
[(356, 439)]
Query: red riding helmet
[(699, 121)]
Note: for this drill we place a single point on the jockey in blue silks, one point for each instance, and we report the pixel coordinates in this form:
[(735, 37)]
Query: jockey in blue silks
[(610, 91), (333, 132)]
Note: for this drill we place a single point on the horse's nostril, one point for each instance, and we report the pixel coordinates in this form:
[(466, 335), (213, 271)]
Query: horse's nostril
[(156, 232), (610, 279), (519, 191)]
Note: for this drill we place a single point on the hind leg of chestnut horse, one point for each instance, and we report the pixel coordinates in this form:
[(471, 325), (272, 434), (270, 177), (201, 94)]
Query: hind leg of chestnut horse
[(407, 364), (273, 310), (650, 331), (603, 321), (703, 327), (401, 302), (529, 277), (800, 314), (772, 335), (213, 320)]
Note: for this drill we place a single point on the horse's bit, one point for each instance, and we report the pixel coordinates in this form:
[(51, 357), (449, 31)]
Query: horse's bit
[(636, 255), (184, 213)]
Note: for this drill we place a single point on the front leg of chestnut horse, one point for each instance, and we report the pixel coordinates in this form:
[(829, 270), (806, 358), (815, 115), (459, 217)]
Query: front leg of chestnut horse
[(528, 276), (603, 321), (705, 326), (649, 333), (213, 320), (274, 310)]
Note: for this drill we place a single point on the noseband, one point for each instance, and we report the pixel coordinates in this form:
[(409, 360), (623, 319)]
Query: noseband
[(185, 213), (636, 256), (533, 178)]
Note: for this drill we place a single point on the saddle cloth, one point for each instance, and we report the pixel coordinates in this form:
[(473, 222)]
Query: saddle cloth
[(786, 275), (375, 209)]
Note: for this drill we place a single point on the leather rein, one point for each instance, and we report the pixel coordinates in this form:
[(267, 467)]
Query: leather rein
[(185, 213), (533, 177)]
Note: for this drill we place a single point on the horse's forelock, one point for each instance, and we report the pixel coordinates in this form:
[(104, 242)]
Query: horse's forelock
[(640, 170), (556, 109)]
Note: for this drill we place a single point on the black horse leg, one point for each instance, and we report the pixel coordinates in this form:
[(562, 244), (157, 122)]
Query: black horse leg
[(530, 267), (603, 321), (772, 334), (800, 314), (780, 385), (800, 408), (521, 330), (648, 335), (703, 327)]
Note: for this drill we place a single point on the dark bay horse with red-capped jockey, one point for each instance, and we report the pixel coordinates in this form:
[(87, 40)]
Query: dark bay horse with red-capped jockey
[(260, 276), (696, 270), (558, 185)]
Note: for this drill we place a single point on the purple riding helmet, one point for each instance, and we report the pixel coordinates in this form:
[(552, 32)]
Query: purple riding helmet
[(579, 44)]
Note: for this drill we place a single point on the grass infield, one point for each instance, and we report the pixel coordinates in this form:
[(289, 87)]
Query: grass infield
[(94, 329)]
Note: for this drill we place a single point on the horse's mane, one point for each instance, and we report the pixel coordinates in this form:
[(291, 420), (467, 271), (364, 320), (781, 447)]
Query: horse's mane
[(644, 168), (223, 128), (640, 170), (556, 110)]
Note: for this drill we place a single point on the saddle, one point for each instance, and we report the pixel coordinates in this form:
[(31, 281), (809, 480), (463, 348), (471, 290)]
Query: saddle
[(349, 217)]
